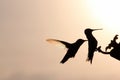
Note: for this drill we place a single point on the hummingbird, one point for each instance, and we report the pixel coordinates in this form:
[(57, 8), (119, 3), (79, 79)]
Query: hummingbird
[(92, 43), (72, 48)]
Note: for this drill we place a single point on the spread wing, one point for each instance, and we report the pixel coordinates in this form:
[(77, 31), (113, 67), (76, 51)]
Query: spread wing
[(59, 43)]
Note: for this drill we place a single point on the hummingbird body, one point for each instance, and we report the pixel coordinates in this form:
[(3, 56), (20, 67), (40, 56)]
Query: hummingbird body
[(92, 43), (72, 48)]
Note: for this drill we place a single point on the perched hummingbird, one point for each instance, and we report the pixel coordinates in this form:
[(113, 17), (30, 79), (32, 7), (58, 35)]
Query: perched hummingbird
[(92, 43), (72, 48)]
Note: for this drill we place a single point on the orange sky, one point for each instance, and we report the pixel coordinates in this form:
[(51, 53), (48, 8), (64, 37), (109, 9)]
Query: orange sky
[(24, 53)]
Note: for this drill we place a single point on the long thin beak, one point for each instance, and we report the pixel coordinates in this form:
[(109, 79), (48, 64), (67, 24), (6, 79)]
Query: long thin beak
[(97, 29), (85, 40)]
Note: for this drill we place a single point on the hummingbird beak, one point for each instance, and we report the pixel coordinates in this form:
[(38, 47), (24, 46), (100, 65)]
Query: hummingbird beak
[(96, 29), (85, 40)]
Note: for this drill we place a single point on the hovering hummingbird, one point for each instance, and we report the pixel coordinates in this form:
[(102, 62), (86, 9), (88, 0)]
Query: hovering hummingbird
[(72, 48), (92, 43)]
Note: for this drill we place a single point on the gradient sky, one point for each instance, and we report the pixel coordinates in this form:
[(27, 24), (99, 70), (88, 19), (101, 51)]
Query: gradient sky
[(25, 55)]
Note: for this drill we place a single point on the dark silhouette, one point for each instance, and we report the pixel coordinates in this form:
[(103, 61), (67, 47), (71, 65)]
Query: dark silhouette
[(115, 52), (113, 43), (72, 48), (92, 43)]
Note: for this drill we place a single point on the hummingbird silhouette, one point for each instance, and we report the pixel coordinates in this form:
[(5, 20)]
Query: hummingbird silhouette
[(92, 43), (72, 48)]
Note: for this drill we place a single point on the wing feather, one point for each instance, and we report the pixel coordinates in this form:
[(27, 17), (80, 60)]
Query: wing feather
[(58, 43)]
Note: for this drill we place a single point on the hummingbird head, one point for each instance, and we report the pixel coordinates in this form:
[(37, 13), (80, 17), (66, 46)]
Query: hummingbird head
[(81, 40), (88, 30)]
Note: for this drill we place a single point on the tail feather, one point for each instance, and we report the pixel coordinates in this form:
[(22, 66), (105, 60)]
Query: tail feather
[(89, 60)]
